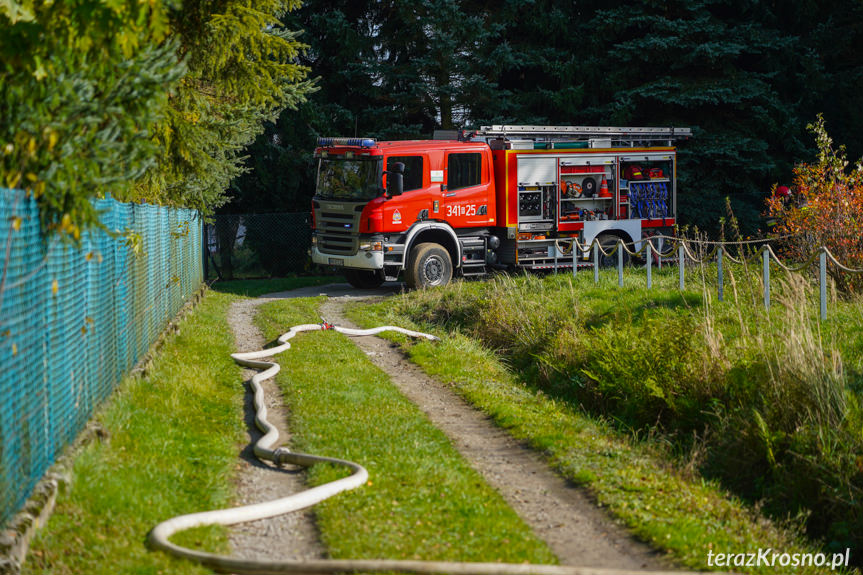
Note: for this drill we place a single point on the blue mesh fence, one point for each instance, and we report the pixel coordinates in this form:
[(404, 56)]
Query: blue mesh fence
[(258, 245), (74, 320)]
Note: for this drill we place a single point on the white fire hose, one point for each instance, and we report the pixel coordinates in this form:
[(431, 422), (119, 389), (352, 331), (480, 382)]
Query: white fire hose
[(159, 537)]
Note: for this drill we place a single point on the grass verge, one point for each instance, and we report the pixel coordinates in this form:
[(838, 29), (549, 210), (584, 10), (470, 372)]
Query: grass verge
[(422, 501), (631, 470), (172, 447)]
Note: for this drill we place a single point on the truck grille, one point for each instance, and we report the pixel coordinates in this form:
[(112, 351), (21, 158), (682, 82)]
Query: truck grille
[(338, 229)]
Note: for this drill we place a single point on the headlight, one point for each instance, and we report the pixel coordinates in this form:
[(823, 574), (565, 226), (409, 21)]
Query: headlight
[(372, 247)]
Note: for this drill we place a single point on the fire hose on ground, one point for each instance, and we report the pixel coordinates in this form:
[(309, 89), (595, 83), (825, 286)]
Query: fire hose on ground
[(159, 536)]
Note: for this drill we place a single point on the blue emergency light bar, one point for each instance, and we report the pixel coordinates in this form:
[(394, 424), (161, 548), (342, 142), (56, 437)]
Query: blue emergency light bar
[(360, 142)]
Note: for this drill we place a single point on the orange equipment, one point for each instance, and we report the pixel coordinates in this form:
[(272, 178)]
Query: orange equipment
[(603, 189)]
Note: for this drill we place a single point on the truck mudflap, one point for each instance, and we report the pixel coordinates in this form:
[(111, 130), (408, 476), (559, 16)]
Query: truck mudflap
[(363, 260)]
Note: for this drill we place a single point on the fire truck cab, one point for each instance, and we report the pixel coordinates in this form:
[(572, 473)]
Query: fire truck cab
[(511, 196)]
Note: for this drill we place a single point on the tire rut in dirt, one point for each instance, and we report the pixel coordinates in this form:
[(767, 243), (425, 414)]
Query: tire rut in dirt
[(575, 529), (290, 536)]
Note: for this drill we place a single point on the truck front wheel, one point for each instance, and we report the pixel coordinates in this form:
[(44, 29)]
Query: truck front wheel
[(429, 265), (364, 279)]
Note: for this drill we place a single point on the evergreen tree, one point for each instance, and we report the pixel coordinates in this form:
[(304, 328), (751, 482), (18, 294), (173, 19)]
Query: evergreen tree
[(392, 69), (242, 73), (721, 68), (428, 65), (146, 101), (280, 174), (833, 31), (81, 84), (535, 62)]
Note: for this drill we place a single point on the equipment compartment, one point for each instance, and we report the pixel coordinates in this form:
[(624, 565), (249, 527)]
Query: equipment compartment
[(586, 189), (536, 203), (648, 184)]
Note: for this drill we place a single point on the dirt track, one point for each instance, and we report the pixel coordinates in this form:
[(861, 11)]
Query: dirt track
[(291, 536), (576, 530)]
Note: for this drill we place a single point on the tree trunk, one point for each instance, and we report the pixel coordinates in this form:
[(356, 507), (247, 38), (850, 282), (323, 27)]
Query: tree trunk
[(226, 234)]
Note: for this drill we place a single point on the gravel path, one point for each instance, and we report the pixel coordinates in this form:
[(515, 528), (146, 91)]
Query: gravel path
[(290, 536), (578, 532)]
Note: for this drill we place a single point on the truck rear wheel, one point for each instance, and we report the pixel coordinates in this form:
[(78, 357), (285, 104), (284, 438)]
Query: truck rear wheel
[(364, 279), (429, 265), (608, 243)]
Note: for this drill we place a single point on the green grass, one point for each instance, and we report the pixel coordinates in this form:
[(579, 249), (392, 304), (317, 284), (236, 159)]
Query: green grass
[(255, 288), (422, 500), (172, 449), (594, 366), (174, 435)]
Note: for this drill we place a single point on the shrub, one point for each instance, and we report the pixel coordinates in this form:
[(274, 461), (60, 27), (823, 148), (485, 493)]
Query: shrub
[(146, 101), (825, 209)]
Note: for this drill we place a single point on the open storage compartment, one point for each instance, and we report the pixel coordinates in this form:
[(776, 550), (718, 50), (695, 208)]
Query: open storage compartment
[(647, 181), (587, 189)]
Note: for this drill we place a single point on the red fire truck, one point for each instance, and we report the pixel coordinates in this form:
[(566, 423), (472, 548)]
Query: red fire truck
[(500, 196)]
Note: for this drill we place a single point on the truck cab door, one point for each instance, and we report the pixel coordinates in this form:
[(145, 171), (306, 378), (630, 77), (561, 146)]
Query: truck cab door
[(466, 200)]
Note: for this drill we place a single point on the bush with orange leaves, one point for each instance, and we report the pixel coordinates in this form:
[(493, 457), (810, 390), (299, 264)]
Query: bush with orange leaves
[(825, 208)]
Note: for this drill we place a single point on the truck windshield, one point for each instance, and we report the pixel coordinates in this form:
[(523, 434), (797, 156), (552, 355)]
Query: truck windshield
[(349, 179)]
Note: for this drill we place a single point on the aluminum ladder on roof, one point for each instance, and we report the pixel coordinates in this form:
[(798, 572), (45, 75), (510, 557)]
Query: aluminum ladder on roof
[(585, 133)]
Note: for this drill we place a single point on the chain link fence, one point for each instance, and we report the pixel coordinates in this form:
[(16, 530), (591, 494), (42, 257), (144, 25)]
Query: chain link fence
[(75, 319), (258, 245)]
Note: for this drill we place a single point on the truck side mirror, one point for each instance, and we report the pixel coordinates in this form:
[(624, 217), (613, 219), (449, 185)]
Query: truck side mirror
[(395, 179)]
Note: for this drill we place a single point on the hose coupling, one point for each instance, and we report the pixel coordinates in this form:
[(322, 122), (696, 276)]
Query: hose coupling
[(282, 455)]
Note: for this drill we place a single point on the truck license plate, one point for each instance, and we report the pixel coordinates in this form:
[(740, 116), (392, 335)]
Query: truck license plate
[(336, 261)]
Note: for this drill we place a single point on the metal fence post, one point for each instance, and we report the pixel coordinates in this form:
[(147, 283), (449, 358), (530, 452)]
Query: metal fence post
[(822, 275), (575, 250), (554, 246), (681, 253), (595, 262), (719, 270), (205, 248), (619, 263), (649, 264), (766, 256)]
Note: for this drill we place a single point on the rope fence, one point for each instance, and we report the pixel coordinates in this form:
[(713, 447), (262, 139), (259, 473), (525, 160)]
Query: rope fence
[(681, 251), (75, 319)]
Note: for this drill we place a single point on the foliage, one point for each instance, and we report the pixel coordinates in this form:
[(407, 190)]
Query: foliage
[(242, 73), (764, 402), (391, 69), (81, 84), (146, 101), (746, 76), (726, 72), (825, 209)]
